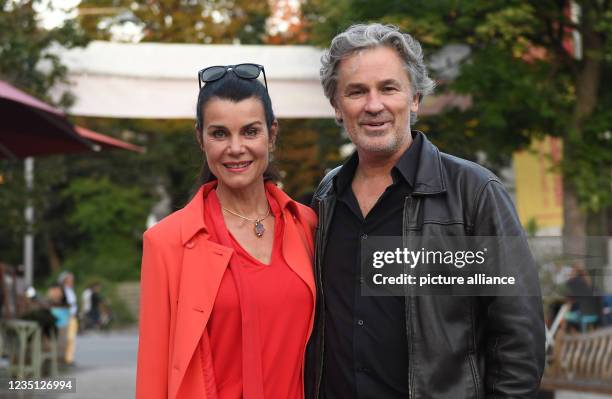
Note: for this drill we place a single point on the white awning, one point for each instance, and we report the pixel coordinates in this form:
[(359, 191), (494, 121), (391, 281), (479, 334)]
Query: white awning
[(158, 80)]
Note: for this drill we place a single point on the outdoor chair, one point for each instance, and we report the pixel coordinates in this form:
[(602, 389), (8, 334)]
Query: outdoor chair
[(27, 349)]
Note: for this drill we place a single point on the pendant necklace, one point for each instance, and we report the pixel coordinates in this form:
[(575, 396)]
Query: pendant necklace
[(258, 227)]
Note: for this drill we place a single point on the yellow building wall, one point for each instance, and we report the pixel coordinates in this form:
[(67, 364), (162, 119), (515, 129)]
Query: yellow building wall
[(539, 190)]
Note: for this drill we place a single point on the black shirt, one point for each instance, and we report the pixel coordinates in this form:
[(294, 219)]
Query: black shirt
[(366, 351)]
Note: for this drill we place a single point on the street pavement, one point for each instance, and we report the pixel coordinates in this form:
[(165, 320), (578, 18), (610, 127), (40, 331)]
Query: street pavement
[(105, 368)]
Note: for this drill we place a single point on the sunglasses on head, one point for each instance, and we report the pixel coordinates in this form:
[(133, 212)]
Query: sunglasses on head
[(244, 71)]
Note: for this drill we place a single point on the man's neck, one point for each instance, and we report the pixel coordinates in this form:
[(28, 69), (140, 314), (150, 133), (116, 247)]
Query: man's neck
[(373, 176)]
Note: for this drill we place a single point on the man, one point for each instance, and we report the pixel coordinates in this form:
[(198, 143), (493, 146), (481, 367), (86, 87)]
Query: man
[(398, 184)]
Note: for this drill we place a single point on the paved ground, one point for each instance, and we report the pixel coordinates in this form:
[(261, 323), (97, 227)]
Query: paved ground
[(106, 368), (575, 395)]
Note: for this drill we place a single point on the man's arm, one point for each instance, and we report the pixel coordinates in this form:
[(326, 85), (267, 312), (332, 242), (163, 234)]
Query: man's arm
[(515, 331)]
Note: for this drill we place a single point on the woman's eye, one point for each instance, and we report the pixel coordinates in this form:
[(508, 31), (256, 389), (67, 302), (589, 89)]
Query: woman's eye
[(252, 131), (353, 93), (218, 134)]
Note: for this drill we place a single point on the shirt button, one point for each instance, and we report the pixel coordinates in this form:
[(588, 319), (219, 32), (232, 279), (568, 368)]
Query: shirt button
[(364, 236), (360, 322), (189, 244)]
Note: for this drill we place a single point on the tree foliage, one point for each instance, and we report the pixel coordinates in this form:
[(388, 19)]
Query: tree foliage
[(26, 56), (183, 21), (108, 220)]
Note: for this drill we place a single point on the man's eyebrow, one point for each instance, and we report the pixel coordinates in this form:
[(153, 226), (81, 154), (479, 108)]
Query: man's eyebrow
[(354, 85), (357, 85), (390, 82)]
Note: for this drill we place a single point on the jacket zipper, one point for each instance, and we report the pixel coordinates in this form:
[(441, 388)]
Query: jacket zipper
[(406, 232)]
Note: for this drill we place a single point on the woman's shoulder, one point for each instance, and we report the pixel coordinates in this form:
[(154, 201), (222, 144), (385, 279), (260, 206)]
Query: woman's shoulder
[(166, 230), (307, 214), (301, 211)]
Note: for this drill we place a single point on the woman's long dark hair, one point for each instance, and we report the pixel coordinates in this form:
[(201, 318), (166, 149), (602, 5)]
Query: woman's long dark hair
[(233, 88)]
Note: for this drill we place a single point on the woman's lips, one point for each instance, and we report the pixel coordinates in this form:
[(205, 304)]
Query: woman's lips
[(237, 166)]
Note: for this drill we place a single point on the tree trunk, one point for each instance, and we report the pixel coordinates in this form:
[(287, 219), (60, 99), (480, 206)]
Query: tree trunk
[(587, 83), (54, 260)]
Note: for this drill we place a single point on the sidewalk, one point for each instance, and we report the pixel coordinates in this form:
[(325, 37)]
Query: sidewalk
[(106, 368)]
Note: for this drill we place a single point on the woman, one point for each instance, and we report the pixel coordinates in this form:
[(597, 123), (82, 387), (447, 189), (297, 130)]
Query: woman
[(227, 290)]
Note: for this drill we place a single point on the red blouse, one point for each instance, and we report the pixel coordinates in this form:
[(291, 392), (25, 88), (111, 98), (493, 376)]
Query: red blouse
[(284, 305)]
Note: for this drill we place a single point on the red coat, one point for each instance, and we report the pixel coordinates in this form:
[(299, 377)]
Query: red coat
[(180, 276)]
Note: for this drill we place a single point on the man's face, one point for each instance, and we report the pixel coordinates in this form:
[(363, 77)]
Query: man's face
[(374, 99)]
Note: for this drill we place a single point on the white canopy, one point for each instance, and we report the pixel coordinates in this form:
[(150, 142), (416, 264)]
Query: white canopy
[(159, 80)]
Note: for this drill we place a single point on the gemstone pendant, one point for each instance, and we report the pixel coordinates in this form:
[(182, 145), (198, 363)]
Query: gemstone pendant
[(259, 229)]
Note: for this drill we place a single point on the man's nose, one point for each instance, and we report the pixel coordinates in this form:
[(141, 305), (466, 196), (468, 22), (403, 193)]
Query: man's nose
[(374, 102)]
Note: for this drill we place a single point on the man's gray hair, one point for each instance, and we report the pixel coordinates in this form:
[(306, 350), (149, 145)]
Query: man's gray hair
[(361, 37)]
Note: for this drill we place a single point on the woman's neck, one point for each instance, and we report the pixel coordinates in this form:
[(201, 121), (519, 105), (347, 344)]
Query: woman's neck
[(250, 202)]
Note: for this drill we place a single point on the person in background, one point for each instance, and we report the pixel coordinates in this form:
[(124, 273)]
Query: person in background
[(85, 308), (95, 307), (66, 281), (585, 302)]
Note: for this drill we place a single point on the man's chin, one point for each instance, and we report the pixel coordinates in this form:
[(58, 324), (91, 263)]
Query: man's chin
[(378, 148), (383, 144)]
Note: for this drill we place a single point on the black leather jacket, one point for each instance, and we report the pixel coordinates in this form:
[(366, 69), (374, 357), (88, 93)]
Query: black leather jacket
[(459, 347)]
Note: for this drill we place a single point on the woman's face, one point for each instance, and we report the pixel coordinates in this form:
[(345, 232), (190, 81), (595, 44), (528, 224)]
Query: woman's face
[(236, 141)]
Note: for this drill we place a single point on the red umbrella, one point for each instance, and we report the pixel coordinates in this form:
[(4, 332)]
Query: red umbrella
[(31, 127), (107, 142)]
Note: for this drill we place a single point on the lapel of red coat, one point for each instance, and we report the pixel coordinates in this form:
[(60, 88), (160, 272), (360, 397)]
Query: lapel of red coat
[(204, 263)]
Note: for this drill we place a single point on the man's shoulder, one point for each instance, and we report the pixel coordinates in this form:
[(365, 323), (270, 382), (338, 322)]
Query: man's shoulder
[(326, 184), (463, 171)]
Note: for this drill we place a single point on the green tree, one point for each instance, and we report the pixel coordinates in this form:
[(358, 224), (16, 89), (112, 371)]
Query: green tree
[(178, 21), (306, 149), (26, 58), (524, 77), (109, 225)]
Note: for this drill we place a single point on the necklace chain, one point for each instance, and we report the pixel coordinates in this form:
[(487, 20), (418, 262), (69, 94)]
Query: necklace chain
[(258, 227), (246, 218)]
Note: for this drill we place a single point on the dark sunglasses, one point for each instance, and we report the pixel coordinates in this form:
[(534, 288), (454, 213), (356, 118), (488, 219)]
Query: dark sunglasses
[(244, 71)]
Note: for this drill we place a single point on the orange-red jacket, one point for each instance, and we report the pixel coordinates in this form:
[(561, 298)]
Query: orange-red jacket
[(180, 276)]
